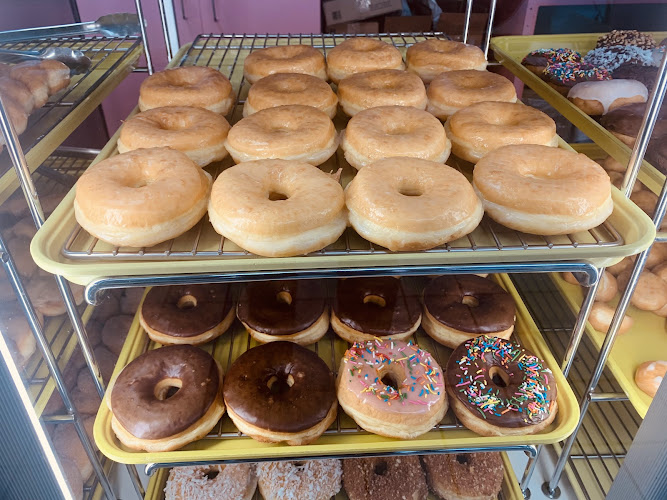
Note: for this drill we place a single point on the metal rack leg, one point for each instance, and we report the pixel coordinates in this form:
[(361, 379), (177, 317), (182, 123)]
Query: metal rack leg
[(489, 27), (142, 27), (466, 24)]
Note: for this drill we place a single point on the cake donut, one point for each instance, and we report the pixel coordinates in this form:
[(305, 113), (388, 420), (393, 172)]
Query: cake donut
[(146, 412), (563, 76), (294, 132), (383, 87), (498, 388), (484, 126), (361, 54), (391, 388), (187, 314), (237, 481), (388, 478), (312, 479), (411, 204), (454, 90), (649, 375), (430, 58), (460, 307), (282, 89), (281, 392), (121, 200), (284, 310), (196, 86), (284, 59), (465, 476), (368, 308), (543, 190), (278, 208), (197, 132), (537, 60), (598, 98), (393, 131)]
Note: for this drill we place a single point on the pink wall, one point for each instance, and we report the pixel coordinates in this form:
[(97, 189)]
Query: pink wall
[(19, 14), (268, 16)]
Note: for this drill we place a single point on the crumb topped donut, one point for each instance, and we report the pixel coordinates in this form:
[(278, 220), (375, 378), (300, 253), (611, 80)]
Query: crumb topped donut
[(237, 481), (361, 54), (465, 476), (626, 37), (284, 59), (430, 58), (388, 478), (311, 480)]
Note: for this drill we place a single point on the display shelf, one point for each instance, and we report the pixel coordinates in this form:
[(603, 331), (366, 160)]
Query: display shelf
[(343, 438), (62, 247), (112, 60), (510, 51), (510, 488)]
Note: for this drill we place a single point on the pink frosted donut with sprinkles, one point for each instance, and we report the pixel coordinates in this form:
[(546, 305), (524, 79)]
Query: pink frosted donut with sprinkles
[(392, 388), (498, 388), (564, 76)]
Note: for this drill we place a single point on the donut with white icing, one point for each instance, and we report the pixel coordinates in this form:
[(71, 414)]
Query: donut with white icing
[(600, 97)]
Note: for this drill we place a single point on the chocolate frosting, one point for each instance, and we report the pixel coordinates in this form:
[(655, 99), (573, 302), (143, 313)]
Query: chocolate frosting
[(644, 74), (626, 120), (281, 407), (161, 311), (138, 409), (261, 309), (399, 314), (495, 312), (657, 153), (525, 399)]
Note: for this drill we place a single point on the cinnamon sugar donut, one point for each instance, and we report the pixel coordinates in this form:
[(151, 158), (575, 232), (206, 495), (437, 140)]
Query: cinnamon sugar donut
[(649, 375), (311, 480), (284, 59), (234, 481), (361, 54), (432, 57), (386, 478), (465, 476)]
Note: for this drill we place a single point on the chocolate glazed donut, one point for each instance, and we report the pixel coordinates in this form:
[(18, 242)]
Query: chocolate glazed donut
[(284, 310), (281, 391), (366, 308), (166, 398), (188, 314), (459, 307)]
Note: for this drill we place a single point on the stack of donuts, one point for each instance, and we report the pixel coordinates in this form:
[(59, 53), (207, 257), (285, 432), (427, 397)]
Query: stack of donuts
[(276, 202)]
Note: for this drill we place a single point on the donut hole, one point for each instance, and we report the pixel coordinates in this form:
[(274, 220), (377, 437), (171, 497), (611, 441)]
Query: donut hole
[(279, 384), (167, 388), (462, 459), (284, 297), (410, 191), (211, 474), (375, 300), (470, 301), (381, 468), (499, 376), (187, 302), (399, 129), (277, 196), (139, 183)]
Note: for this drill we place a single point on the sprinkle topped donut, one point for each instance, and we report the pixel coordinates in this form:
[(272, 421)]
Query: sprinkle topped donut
[(626, 37), (543, 57), (612, 58), (570, 74)]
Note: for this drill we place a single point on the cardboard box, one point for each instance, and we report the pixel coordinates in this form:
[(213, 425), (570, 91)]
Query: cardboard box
[(451, 23), (407, 24), (355, 28), (344, 11)]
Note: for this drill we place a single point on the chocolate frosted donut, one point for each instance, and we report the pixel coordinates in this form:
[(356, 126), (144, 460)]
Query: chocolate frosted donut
[(188, 314), (624, 122), (280, 391), (284, 310), (465, 476), (366, 308), (497, 388), (459, 307), (388, 478), (149, 415)]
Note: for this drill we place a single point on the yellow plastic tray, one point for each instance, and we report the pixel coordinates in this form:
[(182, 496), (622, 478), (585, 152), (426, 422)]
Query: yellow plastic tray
[(510, 489), (510, 51), (334, 442), (645, 341)]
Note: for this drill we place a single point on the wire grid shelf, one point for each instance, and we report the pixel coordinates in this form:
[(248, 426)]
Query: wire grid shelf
[(227, 53), (608, 428)]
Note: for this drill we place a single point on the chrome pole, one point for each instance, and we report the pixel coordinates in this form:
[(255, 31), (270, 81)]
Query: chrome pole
[(466, 23), (144, 37), (489, 27), (165, 29)]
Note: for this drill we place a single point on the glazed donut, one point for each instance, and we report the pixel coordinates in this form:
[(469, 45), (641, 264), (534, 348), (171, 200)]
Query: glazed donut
[(46, 298), (482, 127), (282, 89), (365, 309), (148, 415), (430, 58), (278, 208), (611, 164), (537, 60), (543, 190), (650, 293), (121, 200), (660, 271), (114, 332), (197, 132), (19, 248), (15, 92), (608, 288), (17, 116), (73, 478), (106, 361), (16, 329), (279, 392), (454, 90), (294, 132), (646, 200), (284, 59), (187, 314), (85, 397), (649, 375), (196, 86), (563, 76), (411, 204), (237, 481), (601, 315), (68, 445), (43, 78), (465, 476), (498, 388), (284, 310), (374, 374), (388, 478), (460, 307), (382, 87), (598, 98), (312, 480), (361, 54), (392, 131)]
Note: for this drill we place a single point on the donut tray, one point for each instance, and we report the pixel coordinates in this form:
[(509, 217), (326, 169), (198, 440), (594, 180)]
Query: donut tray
[(63, 247), (343, 438), (510, 51), (510, 488)]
